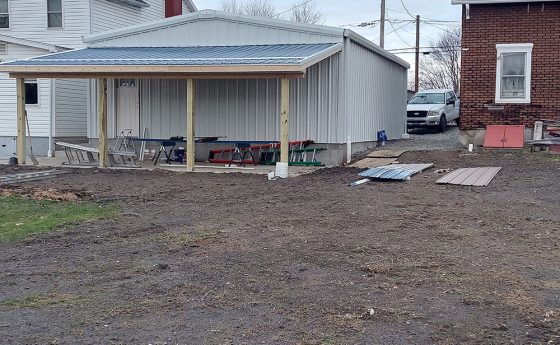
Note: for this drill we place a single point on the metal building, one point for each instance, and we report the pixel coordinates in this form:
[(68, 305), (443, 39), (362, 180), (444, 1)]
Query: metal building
[(340, 85)]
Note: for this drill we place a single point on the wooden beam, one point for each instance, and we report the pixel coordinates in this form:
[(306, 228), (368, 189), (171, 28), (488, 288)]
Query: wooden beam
[(284, 120), (140, 69), (102, 122), (190, 98), (21, 149), (81, 75)]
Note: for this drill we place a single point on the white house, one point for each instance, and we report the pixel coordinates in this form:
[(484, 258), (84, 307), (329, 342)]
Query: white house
[(29, 28)]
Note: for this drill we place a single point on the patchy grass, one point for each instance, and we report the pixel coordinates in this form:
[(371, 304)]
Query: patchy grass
[(23, 217), (186, 238)]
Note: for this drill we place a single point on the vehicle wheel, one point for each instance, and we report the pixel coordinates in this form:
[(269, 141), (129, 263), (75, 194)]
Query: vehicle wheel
[(442, 124)]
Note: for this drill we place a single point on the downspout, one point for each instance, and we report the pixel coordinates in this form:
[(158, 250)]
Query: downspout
[(52, 117)]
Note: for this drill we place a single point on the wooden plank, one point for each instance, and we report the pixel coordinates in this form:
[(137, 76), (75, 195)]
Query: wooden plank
[(386, 154), (99, 69), (373, 162), (284, 120), (102, 122), (190, 98), (21, 131)]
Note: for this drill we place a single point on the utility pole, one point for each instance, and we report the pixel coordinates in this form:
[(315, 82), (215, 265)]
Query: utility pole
[(382, 25), (417, 68)]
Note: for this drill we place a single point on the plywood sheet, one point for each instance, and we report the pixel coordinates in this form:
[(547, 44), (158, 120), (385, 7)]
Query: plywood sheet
[(386, 154), (373, 162)]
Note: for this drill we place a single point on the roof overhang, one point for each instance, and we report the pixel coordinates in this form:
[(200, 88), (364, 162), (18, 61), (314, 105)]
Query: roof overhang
[(280, 61), (33, 44), (484, 2)]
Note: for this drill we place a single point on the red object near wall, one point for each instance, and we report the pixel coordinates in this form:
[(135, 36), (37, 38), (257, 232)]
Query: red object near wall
[(504, 137), (173, 8)]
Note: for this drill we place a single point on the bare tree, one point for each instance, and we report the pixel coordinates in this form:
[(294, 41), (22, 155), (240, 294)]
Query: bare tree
[(258, 8), (441, 69), (306, 12), (302, 11)]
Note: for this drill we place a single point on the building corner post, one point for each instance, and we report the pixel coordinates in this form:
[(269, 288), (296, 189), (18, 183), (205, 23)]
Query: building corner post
[(190, 98), (102, 123), (284, 120), (21, 131)]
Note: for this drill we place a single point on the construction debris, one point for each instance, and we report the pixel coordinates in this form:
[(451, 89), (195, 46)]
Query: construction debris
[(479, 177), (30, 176), (373, 162), (386, 154), (398, 172)]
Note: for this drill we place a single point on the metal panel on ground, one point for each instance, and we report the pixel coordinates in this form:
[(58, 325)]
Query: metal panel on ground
[(470, 176), (395, 171)]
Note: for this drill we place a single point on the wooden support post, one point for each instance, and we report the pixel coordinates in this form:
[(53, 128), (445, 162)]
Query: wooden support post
[(284, 120), (21, 131), (190, 152), (102, 122)]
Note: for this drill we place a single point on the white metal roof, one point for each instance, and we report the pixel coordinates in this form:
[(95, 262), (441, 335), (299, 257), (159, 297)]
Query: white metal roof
[(206, 15), (482, 2)]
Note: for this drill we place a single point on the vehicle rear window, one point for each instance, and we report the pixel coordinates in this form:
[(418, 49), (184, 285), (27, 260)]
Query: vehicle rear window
[(428, 98)]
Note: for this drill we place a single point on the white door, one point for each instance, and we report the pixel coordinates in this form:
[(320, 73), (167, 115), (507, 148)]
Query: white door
[(128, 107)]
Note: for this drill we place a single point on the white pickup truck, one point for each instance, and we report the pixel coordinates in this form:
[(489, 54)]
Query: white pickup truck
[(432, 108)]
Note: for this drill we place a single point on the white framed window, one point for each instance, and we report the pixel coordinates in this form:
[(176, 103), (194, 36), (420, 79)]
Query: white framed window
[(4, 14), (31, 92), (513, 73), (54, 14)]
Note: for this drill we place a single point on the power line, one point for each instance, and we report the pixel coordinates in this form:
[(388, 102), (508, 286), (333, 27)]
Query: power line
[(396, 32), (407, 11), (293, 8)]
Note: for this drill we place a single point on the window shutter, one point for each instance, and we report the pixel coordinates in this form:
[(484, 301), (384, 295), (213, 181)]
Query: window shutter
[(173, 8)]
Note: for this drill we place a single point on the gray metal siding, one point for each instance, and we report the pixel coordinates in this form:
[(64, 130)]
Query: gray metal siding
[(246, 109), (375, 94), (71, 107), (216, 32)]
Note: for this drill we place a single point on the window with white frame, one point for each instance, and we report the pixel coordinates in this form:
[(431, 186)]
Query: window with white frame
[(513, 73), (31, 92), (4, 14), (54, 13)]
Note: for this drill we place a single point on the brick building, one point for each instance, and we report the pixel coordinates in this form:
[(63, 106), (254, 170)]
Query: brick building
[(510, 64)]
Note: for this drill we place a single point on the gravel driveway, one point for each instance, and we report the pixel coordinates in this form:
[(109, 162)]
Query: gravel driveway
[(428, 139)]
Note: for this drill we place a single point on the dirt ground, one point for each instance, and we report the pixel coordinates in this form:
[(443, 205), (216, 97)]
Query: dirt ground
[(236, 259)]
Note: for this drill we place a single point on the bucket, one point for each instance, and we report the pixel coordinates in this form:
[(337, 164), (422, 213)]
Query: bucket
[(281, 170), (12, 161)]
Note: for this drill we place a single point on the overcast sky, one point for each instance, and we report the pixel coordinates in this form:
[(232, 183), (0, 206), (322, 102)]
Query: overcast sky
[(353, 12)]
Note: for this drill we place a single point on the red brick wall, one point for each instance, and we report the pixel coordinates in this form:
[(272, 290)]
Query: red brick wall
[(504, 24)]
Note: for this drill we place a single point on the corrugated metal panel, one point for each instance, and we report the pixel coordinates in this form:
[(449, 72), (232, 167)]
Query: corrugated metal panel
[(247, 109), (470, 176), (71, 107), (283, 54), (375, 90), (395, 171), (216, 31)]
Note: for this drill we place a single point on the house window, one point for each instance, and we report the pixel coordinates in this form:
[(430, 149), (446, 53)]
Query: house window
[(173, 8), (54, 13), (4, 14), (513, 73), (31, 92)]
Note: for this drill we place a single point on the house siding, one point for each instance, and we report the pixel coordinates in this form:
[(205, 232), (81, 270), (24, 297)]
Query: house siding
[(38, 114), (509, 24), (71, 107), (108, 16)]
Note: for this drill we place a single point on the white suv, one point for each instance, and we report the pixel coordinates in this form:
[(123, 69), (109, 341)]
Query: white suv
[(432, 108)]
